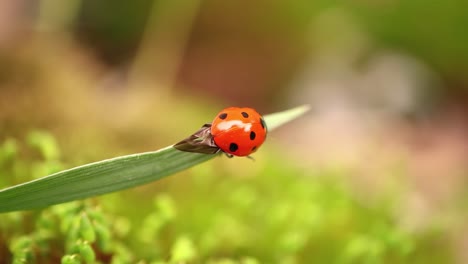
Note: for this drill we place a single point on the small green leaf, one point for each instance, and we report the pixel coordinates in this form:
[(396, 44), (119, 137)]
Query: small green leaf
[(45, 143), (108, 175), (70, 259), (87, 252), (21, 243), (21, 248), (103, 236), (86, 228), (166, 206), (183, 250)]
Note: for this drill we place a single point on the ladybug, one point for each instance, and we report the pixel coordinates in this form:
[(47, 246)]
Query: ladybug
[(236, 131)]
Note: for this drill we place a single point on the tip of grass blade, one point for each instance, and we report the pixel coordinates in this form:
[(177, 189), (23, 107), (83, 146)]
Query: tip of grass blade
[(276, 120), (113, 174)]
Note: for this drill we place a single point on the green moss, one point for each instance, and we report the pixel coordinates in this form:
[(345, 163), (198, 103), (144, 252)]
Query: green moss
[(276, 214)]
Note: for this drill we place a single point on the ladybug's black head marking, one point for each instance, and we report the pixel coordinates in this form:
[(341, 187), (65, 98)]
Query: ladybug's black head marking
[(222, 116), (252, 135), (244, 114), (233, 147)]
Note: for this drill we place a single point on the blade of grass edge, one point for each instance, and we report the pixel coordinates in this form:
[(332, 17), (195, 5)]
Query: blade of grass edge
[(112, 174), (280, 118)]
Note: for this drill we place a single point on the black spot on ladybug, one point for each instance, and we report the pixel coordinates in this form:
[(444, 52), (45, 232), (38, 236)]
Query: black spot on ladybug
[(233, 147), (223, 116), (244, 114), (262, 122), (252, 135), (254, 148)]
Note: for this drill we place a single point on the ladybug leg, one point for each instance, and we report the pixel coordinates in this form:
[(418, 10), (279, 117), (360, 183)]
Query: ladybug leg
[(251, 158), (229, 155)]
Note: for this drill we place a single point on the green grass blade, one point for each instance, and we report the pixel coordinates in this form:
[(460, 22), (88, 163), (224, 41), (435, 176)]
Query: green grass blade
[(112, 175), (278, 119)]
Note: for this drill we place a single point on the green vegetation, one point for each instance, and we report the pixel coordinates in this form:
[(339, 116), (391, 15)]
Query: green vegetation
[(107, 175), (277, 214), (85, 81)]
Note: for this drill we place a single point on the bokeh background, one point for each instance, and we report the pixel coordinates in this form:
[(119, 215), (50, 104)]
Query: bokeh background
[(375, 173)]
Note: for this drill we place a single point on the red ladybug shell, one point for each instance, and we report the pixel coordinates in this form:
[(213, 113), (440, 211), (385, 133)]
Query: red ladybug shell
[(238, 131)]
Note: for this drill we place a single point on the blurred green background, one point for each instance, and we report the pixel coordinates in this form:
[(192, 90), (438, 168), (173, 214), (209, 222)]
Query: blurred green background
[(376, 173)]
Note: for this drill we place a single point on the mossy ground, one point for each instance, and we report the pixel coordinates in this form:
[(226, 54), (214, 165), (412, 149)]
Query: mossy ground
[(277, 213)]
